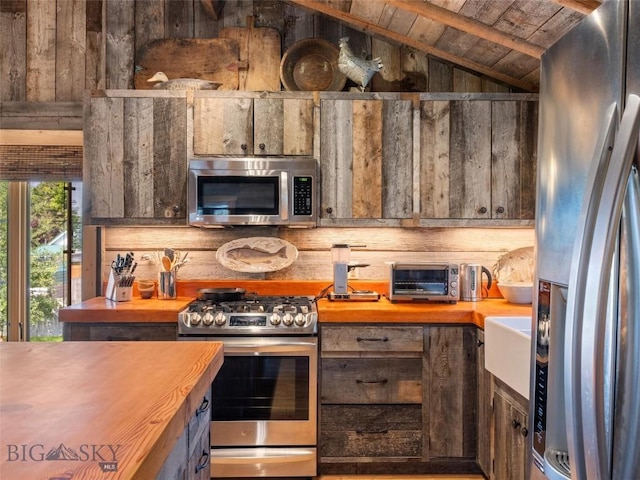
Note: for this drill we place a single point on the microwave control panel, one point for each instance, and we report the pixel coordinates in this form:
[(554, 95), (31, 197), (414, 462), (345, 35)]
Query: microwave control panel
[(302, 195)]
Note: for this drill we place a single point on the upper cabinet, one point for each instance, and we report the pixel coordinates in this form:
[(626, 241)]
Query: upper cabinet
[(366, 159), (478, 158), (135, 157), (246, 123), (428, 159)]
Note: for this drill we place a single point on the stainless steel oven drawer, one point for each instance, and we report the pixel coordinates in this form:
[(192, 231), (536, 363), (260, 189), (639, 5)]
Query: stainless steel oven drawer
[(263, 462)]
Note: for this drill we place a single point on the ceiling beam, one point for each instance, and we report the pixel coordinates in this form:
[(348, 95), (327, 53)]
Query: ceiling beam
[(468, 25), (373, 29), (583, 6)]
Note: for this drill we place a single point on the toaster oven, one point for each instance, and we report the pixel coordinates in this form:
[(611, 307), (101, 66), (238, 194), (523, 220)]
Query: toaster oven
[(424, 281)]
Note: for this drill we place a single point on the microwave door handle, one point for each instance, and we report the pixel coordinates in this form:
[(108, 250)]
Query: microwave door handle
[(285, 190)]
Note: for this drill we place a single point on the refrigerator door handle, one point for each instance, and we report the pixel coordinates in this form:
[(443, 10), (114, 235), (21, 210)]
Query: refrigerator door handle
[(575, 298), (626, 454), (589, 290)]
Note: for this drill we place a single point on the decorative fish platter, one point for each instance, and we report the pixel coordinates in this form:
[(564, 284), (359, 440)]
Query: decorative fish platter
[(257, 254)]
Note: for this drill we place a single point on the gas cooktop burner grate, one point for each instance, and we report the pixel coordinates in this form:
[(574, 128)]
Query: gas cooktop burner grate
[(252, 315)]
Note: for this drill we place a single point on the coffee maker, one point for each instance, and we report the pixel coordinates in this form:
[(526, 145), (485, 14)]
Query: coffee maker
[(340, 254)]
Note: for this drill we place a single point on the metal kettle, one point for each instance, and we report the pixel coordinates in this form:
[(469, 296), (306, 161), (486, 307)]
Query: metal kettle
[(471, 282)]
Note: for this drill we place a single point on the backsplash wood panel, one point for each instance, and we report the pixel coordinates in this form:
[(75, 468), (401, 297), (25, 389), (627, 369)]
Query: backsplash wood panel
[(459, 245)]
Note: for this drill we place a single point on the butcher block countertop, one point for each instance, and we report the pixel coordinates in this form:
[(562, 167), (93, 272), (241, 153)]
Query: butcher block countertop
[(138, 310), (384, 311), (99, 309), (118, 408)]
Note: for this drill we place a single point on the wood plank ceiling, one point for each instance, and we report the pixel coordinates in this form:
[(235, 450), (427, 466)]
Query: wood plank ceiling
[(502, 39)]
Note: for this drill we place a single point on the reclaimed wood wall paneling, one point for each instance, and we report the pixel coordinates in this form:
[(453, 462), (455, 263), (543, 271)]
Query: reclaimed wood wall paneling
[(119, 40), (70, 48), (41, 51), (13, 25)]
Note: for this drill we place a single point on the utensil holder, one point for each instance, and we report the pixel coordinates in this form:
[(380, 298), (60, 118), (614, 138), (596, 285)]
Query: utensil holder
[(115, 291), (167, 287)]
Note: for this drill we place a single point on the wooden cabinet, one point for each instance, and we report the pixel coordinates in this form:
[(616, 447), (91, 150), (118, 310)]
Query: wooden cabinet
[(189, 458), (366, 152), (398, 399), (370, 398), (510, 426), (135, 157), (485, 395), (120, 331), (242, 123), (478, 157), (428, 159), (450, 379)]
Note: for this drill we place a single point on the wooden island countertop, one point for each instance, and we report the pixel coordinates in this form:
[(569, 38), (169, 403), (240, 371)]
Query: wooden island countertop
[(118, 407)]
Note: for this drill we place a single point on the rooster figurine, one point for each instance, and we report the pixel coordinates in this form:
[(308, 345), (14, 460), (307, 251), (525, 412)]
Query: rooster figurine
[(355, 68)]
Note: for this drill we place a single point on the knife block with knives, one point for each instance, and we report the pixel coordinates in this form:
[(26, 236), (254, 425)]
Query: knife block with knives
[(120, 284)]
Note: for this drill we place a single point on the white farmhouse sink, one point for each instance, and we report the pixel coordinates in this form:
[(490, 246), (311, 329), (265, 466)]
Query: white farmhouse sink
[(507, 350)]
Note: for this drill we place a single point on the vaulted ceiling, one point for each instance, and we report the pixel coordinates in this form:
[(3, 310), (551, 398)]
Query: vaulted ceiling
[(502, 39)]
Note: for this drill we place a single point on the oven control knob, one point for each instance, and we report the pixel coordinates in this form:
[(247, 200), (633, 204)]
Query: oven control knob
[(219, 319), (454, 284), (287, 319), (207, 319), (275, 319), (195, 319), (300, 320)]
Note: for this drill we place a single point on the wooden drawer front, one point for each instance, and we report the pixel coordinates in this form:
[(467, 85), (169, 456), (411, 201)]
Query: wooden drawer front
[(199, 464), (133, 332), (371, 380), (200, 423), (371, 339), (371, 431)]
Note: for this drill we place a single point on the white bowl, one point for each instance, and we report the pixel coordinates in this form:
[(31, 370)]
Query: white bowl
[(516, 293)]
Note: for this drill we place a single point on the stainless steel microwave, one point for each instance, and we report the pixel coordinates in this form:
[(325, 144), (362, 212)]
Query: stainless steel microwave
[(253, 191), (424, 281)]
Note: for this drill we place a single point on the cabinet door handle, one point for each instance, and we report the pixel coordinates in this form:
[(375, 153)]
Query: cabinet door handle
[(204, 461), (382, 431), (204, 406), (515, 423), (524, 431), (380, 382), (479, 343), (372, 339)]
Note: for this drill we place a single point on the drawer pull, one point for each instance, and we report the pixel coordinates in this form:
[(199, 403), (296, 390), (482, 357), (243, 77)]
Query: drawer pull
[(372, 339), (380, 382), (381, 431), (204, 461), (204, 406)]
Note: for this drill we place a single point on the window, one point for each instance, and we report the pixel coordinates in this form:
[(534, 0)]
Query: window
[(40, 241)]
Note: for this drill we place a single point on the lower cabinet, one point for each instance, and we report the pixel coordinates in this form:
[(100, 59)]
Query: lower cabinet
[(120, 331), (510, 426), (189, 459), (397, 399)]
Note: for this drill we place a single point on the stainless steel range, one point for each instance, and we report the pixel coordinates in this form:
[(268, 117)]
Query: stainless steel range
[(264, 414)]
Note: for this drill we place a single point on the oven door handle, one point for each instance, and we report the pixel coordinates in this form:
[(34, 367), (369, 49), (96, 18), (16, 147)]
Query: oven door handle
[(245, 346)]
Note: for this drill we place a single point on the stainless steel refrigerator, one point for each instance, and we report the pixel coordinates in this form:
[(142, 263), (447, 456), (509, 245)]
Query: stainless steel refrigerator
[(585, 380)]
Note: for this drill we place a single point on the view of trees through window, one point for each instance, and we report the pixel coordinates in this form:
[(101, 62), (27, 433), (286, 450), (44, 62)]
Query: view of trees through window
[(48, 288)]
